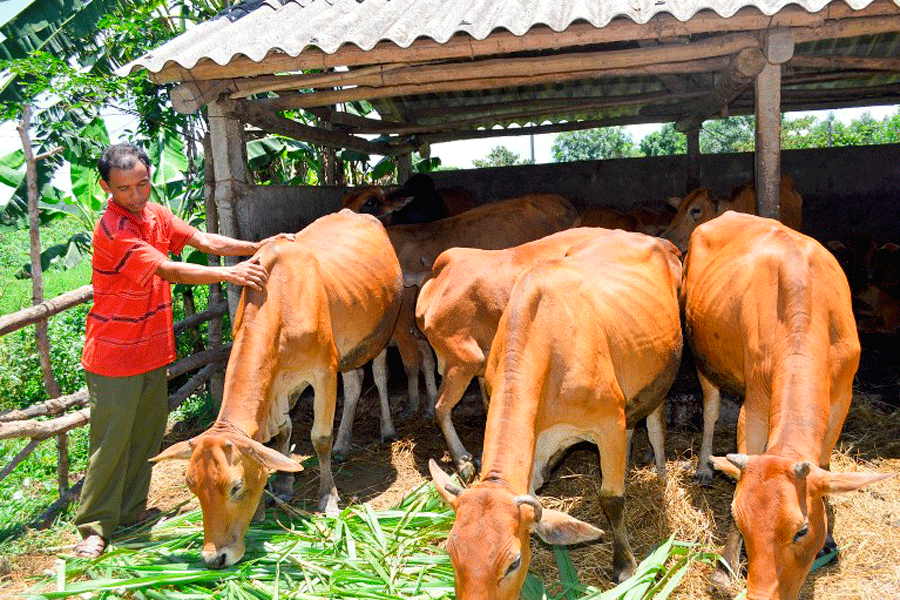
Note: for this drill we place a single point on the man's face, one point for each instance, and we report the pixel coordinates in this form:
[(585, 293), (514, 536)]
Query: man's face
[(129, 188)]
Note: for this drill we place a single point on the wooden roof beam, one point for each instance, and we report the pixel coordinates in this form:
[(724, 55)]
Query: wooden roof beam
[(744, 66), (249, 112), (326, 98)]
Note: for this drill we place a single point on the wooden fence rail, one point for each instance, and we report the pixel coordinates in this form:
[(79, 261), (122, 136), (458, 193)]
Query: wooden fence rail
[(47, 308), (27, 422)]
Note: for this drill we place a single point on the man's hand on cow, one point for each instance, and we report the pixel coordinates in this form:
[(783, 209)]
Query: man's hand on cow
[(249, 273), (280, 236)]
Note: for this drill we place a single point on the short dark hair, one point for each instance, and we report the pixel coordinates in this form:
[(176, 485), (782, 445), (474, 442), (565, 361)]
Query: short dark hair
[(121, 157)]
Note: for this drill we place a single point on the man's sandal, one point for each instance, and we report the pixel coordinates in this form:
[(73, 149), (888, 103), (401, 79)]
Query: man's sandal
[(91, 547)]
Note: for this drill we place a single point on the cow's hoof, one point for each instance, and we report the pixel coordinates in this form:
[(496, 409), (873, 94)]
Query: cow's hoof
[(429, 414), (387, 438), (467, 471), (623, 574), (329, 505), (830, 547), (340, 456), (704, 478)]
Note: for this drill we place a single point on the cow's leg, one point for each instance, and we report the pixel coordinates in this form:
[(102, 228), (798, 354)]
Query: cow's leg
[(712, 398), (453, 386), (412, 361), (380, 374), (428, 368), (352, 391), (656, 431), (485, 398), (283, 482), (612, 446), (321, 433)]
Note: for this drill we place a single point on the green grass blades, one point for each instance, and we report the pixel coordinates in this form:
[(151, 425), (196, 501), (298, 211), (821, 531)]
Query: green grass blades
[(655, 578), (360, 554)]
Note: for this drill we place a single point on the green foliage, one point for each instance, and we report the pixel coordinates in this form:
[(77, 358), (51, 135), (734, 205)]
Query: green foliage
[(500, 156), (593, 144), (734, 134), (664, 142)]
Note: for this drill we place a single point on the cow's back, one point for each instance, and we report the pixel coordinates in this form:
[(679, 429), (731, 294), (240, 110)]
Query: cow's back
[(360, 274), (753, 289), (604, 318), (491, 226)]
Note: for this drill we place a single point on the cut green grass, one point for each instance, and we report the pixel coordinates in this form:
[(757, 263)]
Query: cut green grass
[(360, 554)]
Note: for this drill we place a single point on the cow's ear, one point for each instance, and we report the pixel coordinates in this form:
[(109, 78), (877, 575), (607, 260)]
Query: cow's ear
[(179, 451), (448, 490), (267, 457), (674, 202), (730, 465), (556, 527), (834, 483)]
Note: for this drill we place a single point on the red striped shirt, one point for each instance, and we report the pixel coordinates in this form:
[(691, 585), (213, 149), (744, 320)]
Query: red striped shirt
[(129, 329)]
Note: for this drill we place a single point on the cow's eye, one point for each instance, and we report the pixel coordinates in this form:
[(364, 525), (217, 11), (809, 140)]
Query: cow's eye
[(801, 533), (695, 212), (513, 566), (370, 203), (237, 488)]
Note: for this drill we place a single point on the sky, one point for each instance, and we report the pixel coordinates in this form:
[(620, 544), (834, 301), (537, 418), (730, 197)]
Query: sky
[(460, 154)]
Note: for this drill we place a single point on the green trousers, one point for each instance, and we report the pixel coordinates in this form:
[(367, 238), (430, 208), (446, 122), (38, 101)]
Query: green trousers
[(128, 420)]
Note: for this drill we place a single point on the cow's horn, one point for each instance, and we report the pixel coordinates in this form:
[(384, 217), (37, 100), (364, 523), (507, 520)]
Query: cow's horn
[(801, 470), (533, 503), (738, 460), (453, 489)]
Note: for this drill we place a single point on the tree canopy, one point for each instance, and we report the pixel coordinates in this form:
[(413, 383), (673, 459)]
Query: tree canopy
[(593, 144)]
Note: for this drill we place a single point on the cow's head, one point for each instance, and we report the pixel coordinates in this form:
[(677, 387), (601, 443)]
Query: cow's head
[(489, 544), (779, 508), (697, 207), (227, 471), (369, 199)]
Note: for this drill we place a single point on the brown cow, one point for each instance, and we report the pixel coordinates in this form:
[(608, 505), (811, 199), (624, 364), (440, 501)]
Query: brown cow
[(490, 226), (327, 307), (767, 313), (459, 307), (700, 206), (638, 218), (586, 346)]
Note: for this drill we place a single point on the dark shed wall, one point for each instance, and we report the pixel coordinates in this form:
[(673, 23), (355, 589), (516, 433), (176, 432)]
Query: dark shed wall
[(845, 190)]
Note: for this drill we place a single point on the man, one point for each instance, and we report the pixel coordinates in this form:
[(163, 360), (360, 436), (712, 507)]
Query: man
[(129, 338)]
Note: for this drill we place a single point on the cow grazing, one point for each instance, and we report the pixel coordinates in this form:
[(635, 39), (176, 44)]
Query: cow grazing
[(586, 346), (416, 201), (700, 206), (767, 314), (459, 307), (327, 307)]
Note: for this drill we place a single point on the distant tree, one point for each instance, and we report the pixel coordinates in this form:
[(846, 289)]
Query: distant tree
[(593, 144), (664, 142), (500, 156), (734, 134)]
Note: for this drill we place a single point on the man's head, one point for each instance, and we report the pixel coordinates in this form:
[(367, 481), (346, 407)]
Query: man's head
[(125, 176)]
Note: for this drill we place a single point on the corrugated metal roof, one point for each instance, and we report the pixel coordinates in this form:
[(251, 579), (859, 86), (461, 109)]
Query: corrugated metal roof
[(257, 28)]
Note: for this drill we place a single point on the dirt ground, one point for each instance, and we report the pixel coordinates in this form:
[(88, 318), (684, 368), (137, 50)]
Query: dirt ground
[(867, 523)]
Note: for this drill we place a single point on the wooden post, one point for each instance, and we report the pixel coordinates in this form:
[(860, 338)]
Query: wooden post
[(692, 181), (231, 177), (51, 386), (214, 332), (778, 48), (404, 167)]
